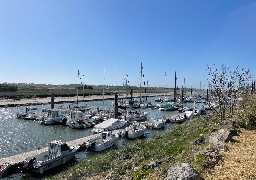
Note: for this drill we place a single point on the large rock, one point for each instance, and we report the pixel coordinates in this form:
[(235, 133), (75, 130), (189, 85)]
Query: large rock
[(182, 171), (212, 157), (219, 138)]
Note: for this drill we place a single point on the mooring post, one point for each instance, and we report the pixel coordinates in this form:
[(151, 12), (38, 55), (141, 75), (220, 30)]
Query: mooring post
[(146, 94), (207, 95), (131, 94), (116, 106), (182, 97), (52, 101), (175, 87)]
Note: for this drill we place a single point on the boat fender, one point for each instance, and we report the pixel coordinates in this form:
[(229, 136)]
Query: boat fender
[(63, 160)]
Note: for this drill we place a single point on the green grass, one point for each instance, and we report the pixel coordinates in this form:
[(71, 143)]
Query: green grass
[(200, 161), (141, 173)]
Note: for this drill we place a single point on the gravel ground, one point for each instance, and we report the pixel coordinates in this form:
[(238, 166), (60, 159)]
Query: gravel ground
[(239, 162)]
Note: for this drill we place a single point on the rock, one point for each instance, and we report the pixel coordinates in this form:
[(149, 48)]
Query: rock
[(182, 171), (212, 157), (219, 138), (199, 141), (154, 164)]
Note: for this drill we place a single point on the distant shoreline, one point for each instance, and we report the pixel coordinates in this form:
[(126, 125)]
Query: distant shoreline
[(58, 100)]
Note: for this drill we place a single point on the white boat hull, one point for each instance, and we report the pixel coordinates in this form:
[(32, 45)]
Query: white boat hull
[(106, 144), (52, 163), (136, 134)]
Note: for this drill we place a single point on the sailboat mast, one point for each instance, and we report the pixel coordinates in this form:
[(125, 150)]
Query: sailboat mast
[(175, 86), (126, 85), (165, 78), (200, 88), (104, 86), (78, 74), (141, 73)]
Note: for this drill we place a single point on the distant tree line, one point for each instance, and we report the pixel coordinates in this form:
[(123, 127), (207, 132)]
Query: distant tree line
[(85, 87), (8, 88)]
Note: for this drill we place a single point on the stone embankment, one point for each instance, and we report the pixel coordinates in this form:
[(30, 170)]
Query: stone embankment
[(232, 155)]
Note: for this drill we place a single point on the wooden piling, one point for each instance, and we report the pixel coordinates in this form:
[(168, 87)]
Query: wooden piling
[(131, 94), (175, 87), (182, 97), (116, 105), (207, 96), (52, 101)]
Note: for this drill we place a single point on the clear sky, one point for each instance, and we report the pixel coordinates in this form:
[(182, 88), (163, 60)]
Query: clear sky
[(47, 41)]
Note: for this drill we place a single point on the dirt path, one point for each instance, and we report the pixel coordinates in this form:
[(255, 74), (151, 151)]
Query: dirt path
[(240, 160)]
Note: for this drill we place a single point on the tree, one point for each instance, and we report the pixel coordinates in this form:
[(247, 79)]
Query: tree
[(226, 86), (8, 88)]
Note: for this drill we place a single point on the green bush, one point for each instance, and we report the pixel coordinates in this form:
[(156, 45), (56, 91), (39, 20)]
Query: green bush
[(8, 88)]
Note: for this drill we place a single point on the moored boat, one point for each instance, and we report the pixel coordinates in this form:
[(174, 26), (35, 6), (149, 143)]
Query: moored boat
[(58, 153), (106, 140), (157, 123), (109, 125), (180, 118), (135, 130)]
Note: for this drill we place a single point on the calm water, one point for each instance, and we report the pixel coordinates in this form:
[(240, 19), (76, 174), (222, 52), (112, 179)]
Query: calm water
[(18, 136)]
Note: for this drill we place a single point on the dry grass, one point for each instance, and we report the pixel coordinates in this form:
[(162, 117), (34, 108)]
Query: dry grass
[(240, 161)]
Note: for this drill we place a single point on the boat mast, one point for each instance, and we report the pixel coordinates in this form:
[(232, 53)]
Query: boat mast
[(165, 78), (104, 86), (83, 87), (141, 73), (175, 87), (200, 88), (126, 85), (78, 74)]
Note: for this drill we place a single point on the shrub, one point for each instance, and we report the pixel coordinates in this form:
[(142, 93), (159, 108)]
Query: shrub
[(246, 112)]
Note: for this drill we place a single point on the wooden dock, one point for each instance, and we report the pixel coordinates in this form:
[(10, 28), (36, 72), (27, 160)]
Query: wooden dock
[(18, 159)]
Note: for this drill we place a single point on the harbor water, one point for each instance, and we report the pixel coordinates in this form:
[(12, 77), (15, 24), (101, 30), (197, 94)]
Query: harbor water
[(18, 135)]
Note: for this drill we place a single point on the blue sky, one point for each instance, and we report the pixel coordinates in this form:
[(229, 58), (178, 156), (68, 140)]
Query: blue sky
[(47, 41)]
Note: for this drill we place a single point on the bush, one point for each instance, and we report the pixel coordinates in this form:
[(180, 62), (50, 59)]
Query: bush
[(8, 88), (246, 112)]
